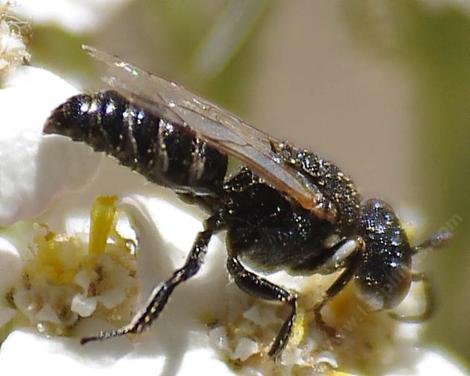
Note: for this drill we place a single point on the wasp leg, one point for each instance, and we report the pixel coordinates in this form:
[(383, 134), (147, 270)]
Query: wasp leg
[(352, 260), (262, 288), (161, 293), (429, 299)]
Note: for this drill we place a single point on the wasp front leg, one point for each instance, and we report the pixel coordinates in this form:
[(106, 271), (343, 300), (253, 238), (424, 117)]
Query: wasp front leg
[(348, 254), (428, 302)]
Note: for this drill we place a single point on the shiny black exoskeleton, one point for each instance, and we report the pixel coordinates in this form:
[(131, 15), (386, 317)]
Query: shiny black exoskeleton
[(266, 229)]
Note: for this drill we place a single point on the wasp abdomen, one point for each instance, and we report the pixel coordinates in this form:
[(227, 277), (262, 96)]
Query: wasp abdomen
[(165, 153)]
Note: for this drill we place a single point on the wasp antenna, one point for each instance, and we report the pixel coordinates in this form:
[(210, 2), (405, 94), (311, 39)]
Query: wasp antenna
[(435, 241)]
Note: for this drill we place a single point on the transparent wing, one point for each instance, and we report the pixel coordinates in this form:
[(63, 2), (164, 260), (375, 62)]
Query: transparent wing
[(220, 128)]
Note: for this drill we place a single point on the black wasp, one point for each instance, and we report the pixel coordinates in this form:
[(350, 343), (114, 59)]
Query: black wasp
[(287, 209)]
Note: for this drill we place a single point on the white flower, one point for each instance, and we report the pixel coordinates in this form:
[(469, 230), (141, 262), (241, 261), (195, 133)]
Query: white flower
[(54, 181), (73, 15), (12, 48)]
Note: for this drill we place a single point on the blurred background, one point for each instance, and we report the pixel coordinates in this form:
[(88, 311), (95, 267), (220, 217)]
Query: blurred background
[(382, 88)]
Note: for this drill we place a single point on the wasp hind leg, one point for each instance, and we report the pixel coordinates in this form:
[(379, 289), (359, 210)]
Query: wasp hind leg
[(262, 288), (161, 293), (428, 305)]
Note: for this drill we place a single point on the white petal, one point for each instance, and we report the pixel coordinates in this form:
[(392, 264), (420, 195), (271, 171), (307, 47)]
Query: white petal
[(245, 348), (10, 265), (36, 169), (47, 314), (83, 305), (56, 356), (432, 363), (73, 15), (10, 268)]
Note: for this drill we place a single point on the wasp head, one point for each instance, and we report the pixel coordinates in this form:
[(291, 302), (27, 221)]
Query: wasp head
[(384, 275)]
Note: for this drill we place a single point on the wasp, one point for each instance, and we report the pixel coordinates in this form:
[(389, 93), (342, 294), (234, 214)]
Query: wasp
[(287, 208)]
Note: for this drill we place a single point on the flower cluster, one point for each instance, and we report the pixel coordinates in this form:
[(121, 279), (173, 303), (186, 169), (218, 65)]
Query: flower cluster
[(66, 273)]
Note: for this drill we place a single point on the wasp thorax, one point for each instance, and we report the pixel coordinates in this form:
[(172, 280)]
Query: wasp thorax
[(384, 275)]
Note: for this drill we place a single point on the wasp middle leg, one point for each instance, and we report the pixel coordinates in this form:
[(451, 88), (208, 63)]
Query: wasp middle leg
[(262, 288)]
